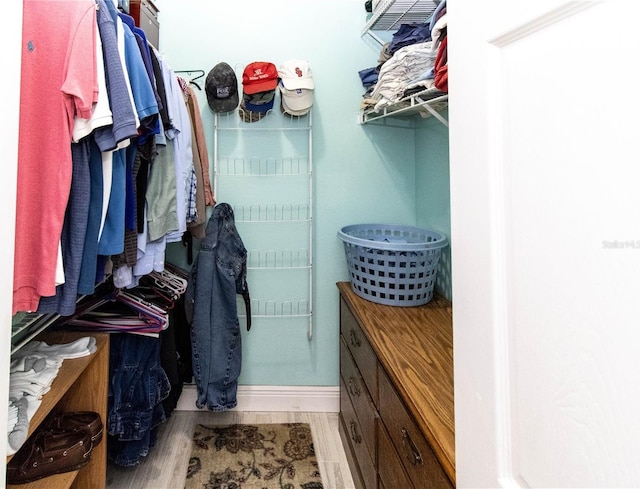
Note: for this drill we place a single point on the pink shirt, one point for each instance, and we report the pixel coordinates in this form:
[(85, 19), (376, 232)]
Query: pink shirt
[(58, 82)]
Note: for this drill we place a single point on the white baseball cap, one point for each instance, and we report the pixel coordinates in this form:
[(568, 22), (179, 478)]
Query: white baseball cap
[(295, 74), (296, 102)]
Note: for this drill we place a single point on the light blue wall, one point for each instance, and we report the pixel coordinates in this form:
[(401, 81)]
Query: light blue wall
[(361, 173), (433, 210)]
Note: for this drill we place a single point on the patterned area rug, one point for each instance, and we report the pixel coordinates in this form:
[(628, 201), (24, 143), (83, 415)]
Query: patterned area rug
[(253, 456)]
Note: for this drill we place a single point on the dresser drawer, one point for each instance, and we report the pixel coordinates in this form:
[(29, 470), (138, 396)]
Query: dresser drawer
[(356, 440), (360, 399), (413, 449), (390, 468), (351, 456), (361, 350)]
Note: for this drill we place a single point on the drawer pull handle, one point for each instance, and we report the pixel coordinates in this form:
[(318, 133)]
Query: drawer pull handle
[(354, 433), (353, 388), (355, 341), (410, 449)]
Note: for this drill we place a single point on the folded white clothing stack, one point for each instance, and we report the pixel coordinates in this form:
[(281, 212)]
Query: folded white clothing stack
[(406, 65), (33, 369), (79, 348)]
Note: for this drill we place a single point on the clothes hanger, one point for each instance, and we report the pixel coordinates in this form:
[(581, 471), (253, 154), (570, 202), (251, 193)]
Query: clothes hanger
[(150, 292), (169, 282), (192, 79), (119, 311), (149, 310), (176, 270)]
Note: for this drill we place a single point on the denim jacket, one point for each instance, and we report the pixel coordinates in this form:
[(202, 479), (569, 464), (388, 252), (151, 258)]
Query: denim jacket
[(219, 272)]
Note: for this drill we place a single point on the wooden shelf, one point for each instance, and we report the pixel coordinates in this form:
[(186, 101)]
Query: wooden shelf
[(81, 385), (55, 481)]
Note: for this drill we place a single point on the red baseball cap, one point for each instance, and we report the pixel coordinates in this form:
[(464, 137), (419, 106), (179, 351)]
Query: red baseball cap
[(259, 76)]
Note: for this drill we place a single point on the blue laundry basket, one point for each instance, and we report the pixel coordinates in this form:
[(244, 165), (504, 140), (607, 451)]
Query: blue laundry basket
[(392, 265)]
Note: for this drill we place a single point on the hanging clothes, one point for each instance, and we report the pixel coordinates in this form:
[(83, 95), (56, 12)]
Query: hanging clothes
[(182, 153), (90, 77), (138, 385), (73, 234), (59, 65), (147, 159), (218, 273), (201, 143), (196, 214)]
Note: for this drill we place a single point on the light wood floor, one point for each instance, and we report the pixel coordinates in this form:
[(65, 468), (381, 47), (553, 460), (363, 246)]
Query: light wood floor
[(166, 465)]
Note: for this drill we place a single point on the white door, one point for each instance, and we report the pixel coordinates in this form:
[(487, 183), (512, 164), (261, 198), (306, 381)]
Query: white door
[(545, 189)]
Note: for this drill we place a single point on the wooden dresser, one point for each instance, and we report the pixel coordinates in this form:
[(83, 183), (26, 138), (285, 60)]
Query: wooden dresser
[(396, 393)]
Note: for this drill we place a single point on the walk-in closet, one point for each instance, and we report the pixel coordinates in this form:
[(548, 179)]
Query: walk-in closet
[(275, 244)]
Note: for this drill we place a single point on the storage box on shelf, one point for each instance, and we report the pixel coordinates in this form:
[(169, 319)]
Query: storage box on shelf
[(81, 385), (145, 15), (396, 393)]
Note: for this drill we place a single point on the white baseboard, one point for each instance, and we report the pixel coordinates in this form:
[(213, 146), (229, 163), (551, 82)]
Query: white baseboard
[(274, 398)]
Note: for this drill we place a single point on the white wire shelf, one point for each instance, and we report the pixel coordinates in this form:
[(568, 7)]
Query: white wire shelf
[(272, 120), (279, 259), (25, 326), (390, 14), (428, 103), (269, 309), (268, 167), (280, 203), (272, 213)]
